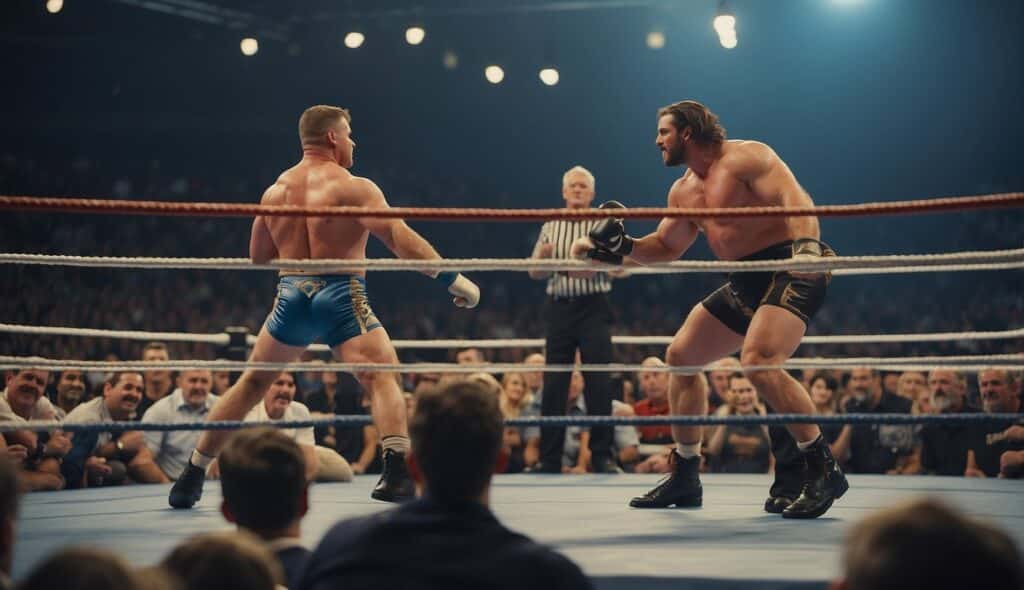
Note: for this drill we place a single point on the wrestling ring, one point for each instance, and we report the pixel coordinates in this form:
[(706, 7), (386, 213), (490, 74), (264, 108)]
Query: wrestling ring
[(731, 542)]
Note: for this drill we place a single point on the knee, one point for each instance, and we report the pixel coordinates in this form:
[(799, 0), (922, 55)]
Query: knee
[(681, 354), (754, 360)]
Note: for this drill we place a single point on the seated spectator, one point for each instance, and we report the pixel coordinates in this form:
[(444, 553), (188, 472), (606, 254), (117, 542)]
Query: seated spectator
[(190, 402), (159, 383), (911, 384), (38, 454), (9, 492), (741, 448), (322, 464), (997, 448), (81, 568), (338, 394), (69, 391), (654, 389), (576, 452), (924, 545), (824, 392), (626, 444), (448, 538), (535, 387), (470, 356), (226, 561), (875, 448), (944, 446), (103, 458), (516, 401), (719, 376), (221, 381), (262, 481)]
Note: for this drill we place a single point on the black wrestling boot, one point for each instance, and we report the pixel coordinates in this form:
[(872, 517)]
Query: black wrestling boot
[(790, 470), (189, 488), (824, 484), (681, 488), (395, 484)]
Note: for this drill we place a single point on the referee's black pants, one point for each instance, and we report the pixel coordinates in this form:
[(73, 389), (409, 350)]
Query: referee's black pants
[(585, 323)]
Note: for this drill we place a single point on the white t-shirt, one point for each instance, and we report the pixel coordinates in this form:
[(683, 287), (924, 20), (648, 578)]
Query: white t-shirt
[(43, 410), (294, 411)]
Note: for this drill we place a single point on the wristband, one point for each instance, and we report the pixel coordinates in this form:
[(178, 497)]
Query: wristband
[(447, 278)]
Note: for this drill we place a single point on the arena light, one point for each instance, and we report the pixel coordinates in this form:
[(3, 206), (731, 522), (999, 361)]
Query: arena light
[(414, 35), (494, 74), (450, 60), (354, 39), (655, 40), (249, 46), (725, 26), (549, 76), (54, 6)]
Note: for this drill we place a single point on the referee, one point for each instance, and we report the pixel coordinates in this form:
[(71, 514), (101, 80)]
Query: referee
[(577, 316)]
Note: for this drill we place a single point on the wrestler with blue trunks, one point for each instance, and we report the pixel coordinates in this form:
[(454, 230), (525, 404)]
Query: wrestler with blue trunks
[(330, 307)]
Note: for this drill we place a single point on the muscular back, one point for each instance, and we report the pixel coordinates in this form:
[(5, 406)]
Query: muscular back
[(748, 174), (316, 183)]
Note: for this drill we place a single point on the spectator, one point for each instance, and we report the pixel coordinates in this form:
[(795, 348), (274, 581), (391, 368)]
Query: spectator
[(159, 383), (70, 391), (923, 545), (516, 401), (626, 444), (102, 458), (944, 446), (654, 387), (448, 538), (221, 381), (718, 376), (997, 448), (226, 561), (741, 448), (322, 464), (262, 480), (576, 454), (875, 448), (535, 387), (38, 454), (470, 356), (911, 385), (824, 393), (534, 379), (190, 402), (338, 394), (9, 491), (81, 568)]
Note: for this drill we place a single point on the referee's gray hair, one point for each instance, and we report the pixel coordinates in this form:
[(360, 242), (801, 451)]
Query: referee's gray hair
[(581, 170)]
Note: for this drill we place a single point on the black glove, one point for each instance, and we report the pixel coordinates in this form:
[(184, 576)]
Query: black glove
[(609, 237)]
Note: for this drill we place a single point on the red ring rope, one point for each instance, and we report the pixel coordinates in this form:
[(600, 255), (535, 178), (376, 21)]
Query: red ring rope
[(78, 205)]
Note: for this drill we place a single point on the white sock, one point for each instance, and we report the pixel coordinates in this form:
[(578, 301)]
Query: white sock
[(395, 442), (200, 460), (688, 451), (803, 446)]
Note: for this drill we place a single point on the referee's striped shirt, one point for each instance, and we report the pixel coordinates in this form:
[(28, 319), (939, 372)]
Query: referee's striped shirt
[(562, 233)]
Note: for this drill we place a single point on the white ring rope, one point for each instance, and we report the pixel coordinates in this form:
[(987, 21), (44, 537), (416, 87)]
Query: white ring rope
[(947, 262), (446, 344), (962, 362)]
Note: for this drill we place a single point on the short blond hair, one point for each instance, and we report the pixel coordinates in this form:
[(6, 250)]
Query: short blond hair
[(579, 170), (317, 120)]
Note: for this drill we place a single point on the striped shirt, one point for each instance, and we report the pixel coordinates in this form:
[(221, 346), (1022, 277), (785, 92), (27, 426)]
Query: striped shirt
[(562, 233)]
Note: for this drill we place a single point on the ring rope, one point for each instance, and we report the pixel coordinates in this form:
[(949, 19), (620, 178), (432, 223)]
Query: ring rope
[(79, 205), (974, 362), (446, 344), (1013, 258), (362, 420)]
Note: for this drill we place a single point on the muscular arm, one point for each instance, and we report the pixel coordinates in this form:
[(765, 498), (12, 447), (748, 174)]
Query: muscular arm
[(396, 235), (261, 245), (670, 240)]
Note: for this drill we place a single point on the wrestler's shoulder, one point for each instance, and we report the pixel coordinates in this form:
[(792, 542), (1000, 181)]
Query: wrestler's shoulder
[(746, 151)]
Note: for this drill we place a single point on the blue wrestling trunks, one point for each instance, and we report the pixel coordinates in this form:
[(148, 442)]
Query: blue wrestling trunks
[(328, 308)]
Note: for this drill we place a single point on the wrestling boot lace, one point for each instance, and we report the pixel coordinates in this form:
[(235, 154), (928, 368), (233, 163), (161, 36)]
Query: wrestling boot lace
[(395, 484), (189, 488), (681, 488), (824, 484)]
